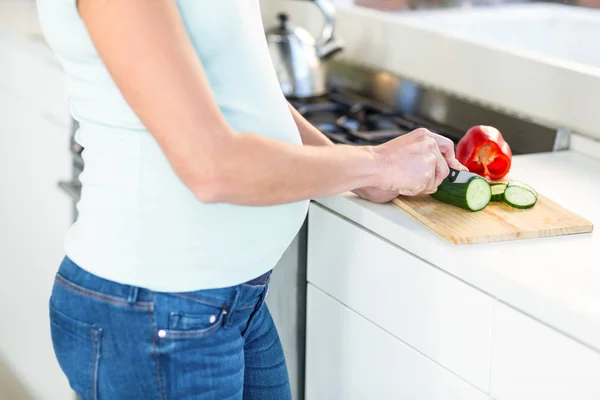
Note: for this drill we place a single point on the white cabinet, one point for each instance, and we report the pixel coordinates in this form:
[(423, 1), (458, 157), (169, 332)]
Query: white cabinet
[(34, 217), (349, 358), (433, 312), (534, 362)]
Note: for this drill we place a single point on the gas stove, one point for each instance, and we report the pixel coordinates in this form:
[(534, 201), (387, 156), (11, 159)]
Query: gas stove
[(364, 106), (348, 118)]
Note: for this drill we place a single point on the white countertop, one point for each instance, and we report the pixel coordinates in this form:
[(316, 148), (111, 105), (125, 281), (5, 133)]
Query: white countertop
[(555, 280)]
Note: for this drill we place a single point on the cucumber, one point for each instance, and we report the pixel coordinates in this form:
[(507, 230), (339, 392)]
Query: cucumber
[(498, 191), (473, 195), (520, 195)]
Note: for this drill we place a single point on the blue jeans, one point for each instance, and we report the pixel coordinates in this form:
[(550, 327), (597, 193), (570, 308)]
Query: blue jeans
[(118, 342)]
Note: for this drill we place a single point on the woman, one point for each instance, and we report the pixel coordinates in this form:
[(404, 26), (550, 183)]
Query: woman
[(197, 177)]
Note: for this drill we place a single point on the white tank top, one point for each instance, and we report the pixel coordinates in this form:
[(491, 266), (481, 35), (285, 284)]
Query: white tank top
[(138, 224)]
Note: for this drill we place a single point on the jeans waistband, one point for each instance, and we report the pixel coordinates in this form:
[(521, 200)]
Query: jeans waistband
[(261, 280), (73, 273)]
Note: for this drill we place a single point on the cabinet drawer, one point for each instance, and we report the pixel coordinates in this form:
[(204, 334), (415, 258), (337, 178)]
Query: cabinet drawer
[(349, 358), (531, 361), (435, 313)]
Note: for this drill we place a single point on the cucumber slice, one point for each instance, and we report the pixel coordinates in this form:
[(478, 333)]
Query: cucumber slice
[(520, 195), (498, 191), (524, 186), (473, 195)]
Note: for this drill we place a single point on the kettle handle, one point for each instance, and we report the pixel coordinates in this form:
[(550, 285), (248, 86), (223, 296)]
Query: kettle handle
[(328, 10)]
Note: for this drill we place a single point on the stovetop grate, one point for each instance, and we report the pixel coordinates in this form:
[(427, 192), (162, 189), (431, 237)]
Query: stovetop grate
[(346, 118)]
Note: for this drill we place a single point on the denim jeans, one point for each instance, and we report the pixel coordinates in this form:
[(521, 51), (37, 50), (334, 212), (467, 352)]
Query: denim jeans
[(118, 342)]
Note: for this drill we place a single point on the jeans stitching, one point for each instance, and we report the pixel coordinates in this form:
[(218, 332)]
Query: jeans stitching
[(155, 353), (95, 359), (210, 303), (141, 305), (254, 313), (196, 333), (93, 394), (258, 286)]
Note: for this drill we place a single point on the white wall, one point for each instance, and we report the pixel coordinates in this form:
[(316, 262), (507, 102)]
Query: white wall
[(34, 214), (301, 13)]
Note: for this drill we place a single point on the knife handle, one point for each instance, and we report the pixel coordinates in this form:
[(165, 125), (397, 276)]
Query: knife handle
[(453, 175)]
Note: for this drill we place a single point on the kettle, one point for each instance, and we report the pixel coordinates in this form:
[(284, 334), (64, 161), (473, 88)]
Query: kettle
[(298, 58)]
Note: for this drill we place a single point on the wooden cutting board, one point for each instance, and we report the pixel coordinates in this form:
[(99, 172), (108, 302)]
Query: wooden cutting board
[(495, 223)]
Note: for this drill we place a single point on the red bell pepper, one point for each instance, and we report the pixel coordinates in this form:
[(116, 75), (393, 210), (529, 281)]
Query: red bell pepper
[(483, 151)]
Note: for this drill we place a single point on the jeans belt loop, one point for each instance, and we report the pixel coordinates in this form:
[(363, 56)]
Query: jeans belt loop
[(263, 296), (133, 295), (229, 313)]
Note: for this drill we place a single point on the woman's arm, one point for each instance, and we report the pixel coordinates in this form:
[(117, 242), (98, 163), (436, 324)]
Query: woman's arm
[(312, 136), (145, 47)]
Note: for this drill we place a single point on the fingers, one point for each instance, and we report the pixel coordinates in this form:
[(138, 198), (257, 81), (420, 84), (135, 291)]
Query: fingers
[(436, 169), (441, 169), (431, 187), (457, 165), (429, 177), (376, 195), (423, 161), (446, 147), (409, 192)]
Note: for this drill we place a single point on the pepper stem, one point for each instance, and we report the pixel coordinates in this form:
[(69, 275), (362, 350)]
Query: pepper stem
[(485, 156)]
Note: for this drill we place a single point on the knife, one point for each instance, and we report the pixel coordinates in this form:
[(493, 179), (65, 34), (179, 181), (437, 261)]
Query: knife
[(457, 176)]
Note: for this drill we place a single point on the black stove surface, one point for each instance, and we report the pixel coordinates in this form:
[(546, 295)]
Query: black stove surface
[(346, 118)]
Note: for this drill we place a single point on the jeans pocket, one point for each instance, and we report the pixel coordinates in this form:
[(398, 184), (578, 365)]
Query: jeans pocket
[(77, 350), (188, 326)]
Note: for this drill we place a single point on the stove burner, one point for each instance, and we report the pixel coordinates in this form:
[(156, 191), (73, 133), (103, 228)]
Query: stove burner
[(349, 120)]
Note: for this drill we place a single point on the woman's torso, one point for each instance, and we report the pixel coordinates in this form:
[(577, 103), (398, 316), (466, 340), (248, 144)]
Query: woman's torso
[(138, 224)]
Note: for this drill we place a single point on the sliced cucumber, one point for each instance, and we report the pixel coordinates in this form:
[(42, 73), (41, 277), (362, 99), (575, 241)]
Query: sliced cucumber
[(498, 191), (520, 195), (473, 195), (524, 186)]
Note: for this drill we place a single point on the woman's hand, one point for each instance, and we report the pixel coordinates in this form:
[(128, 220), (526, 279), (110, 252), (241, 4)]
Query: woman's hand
[(420, 138), (376, 195), (415, 163), (424, 146)]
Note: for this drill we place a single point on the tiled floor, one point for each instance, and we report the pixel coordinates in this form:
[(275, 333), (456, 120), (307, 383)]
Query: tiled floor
[(10, 389)]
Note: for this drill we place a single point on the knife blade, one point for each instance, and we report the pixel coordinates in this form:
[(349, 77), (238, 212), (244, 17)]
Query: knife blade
[(457, 176)]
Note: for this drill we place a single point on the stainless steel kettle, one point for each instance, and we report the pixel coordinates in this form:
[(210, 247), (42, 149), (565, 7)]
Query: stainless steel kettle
[(299, 59)]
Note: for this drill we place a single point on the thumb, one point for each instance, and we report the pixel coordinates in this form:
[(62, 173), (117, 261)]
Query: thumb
[(454, 163)]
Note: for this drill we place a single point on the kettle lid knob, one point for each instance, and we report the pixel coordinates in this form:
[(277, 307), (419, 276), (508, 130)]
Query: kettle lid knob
[(283, 19)]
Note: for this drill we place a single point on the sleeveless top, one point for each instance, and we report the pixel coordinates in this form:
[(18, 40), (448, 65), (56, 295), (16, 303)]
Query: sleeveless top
[(138, 224)]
